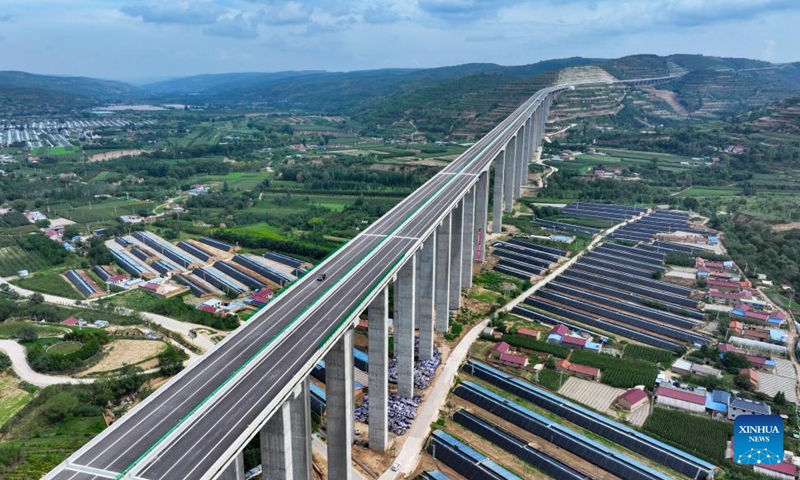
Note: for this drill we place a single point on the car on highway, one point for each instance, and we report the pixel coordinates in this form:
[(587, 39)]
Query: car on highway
[(322, 276)]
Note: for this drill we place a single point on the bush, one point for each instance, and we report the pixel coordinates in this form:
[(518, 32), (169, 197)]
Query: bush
[(5, 362), (60, 407)]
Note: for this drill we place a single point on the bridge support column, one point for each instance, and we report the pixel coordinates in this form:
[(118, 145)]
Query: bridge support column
[(300, 415), (497, 202), (510, 174), (481, 216), (426, 275), (456, 230), (404, 293), (234, 470), (378, 374), (520, 159), (526, 158), (276, 445), (442, 303), (467, 240), (339, 389)]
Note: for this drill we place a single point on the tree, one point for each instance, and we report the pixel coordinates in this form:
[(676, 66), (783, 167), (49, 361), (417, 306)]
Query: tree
[(734, 362), (779, 399), (27, 333), (60, 407), (43, 223), (36, 299), (19, 205)]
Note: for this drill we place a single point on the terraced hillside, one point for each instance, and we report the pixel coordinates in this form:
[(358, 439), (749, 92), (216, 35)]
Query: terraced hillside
[(783, 117)]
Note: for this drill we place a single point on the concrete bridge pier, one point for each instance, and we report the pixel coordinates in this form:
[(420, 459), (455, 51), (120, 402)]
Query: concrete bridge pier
[(426, 278), (497, 201), (405, 299), (442, 302), (509, 175), (378, 315), (340, 405), (467, 239), (519, 160), (456, 231), (481, 216), (234, 470)]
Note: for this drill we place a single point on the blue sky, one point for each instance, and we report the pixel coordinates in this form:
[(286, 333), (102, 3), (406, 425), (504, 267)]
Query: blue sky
[(149, 39)]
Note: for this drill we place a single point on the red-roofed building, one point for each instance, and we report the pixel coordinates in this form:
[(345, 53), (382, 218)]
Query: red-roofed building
[(207, 309), (571, 341), (756, 334), (560, 330), (530, 333), (513, 360), (783, 470), (583, 371), (681, 399), (726, 347), (71, 321), (500, 348), (751, 375), (724, 285), (117, 279), (726, 298), (736, 327), (150, 287), (632, 399), (761, 363)]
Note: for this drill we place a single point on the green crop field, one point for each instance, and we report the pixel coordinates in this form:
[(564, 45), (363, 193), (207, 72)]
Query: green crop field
[(55, 151), (49, 282), (14, 259), (106, 210), (703, 437), (710, 192), (618, 372), (261, 230), (649, 354), (235, 180)]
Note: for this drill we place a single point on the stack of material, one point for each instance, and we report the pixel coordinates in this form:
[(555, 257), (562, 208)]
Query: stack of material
[(401, 412), (424, 370)]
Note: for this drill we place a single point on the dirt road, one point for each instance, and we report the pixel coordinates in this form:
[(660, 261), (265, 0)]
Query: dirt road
[(19, 362)]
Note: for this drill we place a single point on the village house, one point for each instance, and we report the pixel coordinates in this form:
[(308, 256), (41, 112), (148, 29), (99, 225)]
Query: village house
[(632, 399), (582, 371), (681, 399)]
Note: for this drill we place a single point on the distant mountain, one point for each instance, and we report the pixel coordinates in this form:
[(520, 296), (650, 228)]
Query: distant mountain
[(213, 84), (73, 86)]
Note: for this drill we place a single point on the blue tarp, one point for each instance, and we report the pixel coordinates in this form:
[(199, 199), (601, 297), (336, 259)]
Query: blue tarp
[(716, 406)]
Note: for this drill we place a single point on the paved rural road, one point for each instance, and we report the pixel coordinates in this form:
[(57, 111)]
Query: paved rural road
[(176, 326), (19, 363), (411, 453)]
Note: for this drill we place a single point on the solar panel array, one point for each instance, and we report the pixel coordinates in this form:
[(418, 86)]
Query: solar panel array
[(659, 221), (517, 446), (522, 259), (565, 227), (220, 280), (193, 285), (216, 244), (618, 433), (81, 284), (284, 259), (167, 249), (267, 272), (194, 251), (602, 211), (464, 460), (595, 453)]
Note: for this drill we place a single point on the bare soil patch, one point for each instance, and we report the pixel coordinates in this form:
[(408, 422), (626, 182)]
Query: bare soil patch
[(126, 352), (105, 156)]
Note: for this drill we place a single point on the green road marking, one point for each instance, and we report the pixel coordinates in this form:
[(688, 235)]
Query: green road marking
[(302, 313)]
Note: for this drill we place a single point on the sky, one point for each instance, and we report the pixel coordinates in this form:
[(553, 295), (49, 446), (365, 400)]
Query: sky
[(144, 40)]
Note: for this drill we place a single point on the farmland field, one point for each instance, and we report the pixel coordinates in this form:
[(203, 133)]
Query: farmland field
[(617, 372), (703, 437), (711, 192), (51, 283), (55, 150), (261, 230), (649, 354), (13, 259), (107, 210), (12, 398)]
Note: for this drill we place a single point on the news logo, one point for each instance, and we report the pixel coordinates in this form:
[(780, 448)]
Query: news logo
[(758, 439)]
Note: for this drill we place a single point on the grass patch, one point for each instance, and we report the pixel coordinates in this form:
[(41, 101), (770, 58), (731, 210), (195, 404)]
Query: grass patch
[(64, 348), (260, 230), (11, 329), (551, 379), (49, 282), (710, 192)]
